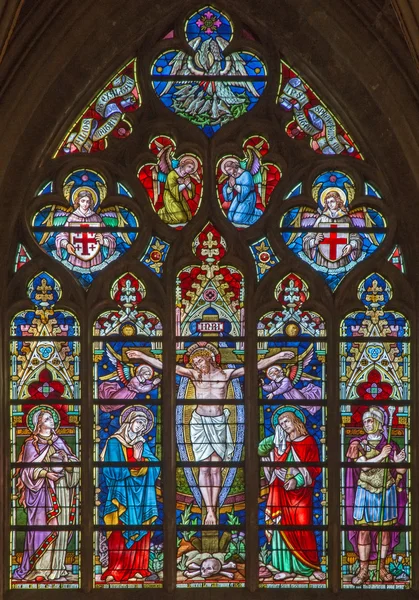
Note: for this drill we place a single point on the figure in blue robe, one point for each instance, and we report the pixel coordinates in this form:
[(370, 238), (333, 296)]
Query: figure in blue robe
[(131, 497), (240, 191)]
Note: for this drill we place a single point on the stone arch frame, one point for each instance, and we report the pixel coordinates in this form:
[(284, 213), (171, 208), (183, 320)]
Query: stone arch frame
[(315, 42)]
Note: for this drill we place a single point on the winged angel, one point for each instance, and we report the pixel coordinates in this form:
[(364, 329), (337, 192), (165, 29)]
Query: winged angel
[(134, 380), (245, 183), (81, 248), (179, 177), (335, 246), (283, 381), (211, 102)]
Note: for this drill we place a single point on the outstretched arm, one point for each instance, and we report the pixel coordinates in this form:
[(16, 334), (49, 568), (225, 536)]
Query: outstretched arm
[(264, 363), (153, 362)]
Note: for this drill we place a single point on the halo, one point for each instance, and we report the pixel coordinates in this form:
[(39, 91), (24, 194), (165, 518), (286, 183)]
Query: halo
[(287, 408), (145, 365), (139, 408), (213, 350), (225, 160), (85, 188), (332, 189), (191, 158), (31, 421), (276, 366)]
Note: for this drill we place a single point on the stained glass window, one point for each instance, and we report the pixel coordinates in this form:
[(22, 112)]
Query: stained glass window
[(206, 84), (45, 410), (292, 349), (210, 356), (224, 449), (333, 236), (127, 377), (80, 233), (375, 442)]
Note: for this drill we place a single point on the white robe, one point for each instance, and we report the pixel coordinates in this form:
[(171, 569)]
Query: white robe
[(211, 434)]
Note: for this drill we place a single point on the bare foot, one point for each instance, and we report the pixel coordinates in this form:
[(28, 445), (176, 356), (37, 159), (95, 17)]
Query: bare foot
[(282, 576), (139, 576), (210, 519), (110, 578), (319, 575)]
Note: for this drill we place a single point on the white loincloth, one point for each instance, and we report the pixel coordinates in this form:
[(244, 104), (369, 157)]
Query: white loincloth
[(211, 435)]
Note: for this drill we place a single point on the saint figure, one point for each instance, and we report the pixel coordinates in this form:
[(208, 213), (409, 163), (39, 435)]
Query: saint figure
[(48, 494), (290, 499), (131, 495), (365, 487)]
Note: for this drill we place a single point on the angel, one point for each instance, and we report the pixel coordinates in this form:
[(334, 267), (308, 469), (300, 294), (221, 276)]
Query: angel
[(336, 246), (139, 380), (244, 182), (179, 178), (284, 381), (211, 99)]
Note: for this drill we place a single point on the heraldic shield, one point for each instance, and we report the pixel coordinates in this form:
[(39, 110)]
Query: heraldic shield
[(85, 244), (336, 237)]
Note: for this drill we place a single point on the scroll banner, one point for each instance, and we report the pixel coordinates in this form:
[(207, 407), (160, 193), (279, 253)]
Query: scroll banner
[(320, 111), (89, 128)]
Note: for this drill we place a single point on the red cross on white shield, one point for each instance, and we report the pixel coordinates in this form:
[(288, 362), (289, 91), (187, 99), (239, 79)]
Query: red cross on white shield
[(336, 237), (85, 244)]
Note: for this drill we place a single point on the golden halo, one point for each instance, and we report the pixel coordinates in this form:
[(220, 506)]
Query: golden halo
[(333, 189), (226, 160), (207, 347), (138, 408), (85, 188), (190, 158)]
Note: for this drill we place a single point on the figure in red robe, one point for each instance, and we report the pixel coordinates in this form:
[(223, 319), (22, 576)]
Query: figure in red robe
[(290, 499)]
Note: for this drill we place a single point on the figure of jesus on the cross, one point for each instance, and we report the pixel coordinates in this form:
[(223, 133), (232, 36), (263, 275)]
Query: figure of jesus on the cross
[(210, 433)]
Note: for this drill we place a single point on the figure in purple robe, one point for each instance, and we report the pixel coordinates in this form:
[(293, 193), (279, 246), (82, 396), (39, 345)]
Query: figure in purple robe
[(48, 494), (364, 500), (142, 383), (84, 249), (282, 384)]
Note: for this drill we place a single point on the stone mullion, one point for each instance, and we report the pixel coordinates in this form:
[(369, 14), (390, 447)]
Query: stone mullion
[(252, 482), (168, 440), (333, 455), (87, 435)]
